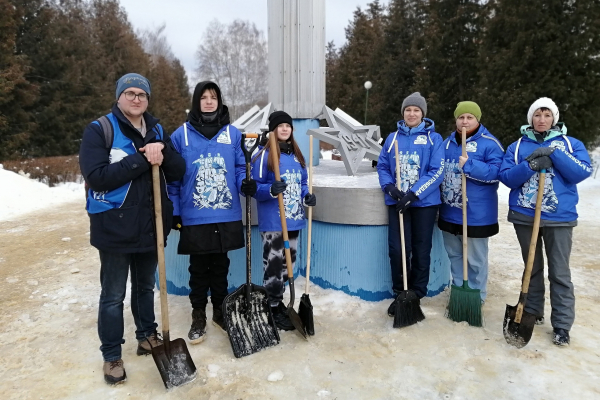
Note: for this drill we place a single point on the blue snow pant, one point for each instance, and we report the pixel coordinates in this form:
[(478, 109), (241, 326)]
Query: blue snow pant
[(418, 239), (477, 249)]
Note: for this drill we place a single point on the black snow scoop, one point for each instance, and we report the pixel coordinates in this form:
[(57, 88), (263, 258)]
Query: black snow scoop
[(172, 358), (408, 308), (294, 317), (518, 324), (246, 310), (305, 310)]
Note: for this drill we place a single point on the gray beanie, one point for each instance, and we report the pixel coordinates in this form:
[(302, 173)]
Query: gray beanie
[(132, 80), (416, 100)]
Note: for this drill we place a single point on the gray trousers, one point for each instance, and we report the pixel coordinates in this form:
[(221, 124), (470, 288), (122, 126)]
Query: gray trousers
[(477, 261), (557, 243)]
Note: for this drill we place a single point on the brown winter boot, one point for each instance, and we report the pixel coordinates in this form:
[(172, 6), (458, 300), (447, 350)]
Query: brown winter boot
[(114, 372), (145, 345)]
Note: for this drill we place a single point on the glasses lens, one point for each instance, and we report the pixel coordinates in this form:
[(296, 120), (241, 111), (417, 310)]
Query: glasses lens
[(142, 96), (131, 96)]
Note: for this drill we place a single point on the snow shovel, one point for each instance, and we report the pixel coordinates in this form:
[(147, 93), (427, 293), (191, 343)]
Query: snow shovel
[(518, 324), (465, 303), (172, 358), (306, 309), (408, 308), (294, 317), (246, 310)]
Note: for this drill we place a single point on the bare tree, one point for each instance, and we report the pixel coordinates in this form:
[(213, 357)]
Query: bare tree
[(235, 57), (155, 43)]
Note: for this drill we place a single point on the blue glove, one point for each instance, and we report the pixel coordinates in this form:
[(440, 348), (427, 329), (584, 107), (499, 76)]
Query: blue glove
[(540, 152), (278, 187), (405, 202), (310, 200), (394, 192), (540, 163), (249, 187)]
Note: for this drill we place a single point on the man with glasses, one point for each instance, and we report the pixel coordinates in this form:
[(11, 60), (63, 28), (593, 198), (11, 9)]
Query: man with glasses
[(117, 168)]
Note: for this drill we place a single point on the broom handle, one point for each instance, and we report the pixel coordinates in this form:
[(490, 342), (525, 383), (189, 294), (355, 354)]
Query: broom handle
[(160, 247), (531, 256), (464, 210), (404, 280), (284, 231), (308, 246)]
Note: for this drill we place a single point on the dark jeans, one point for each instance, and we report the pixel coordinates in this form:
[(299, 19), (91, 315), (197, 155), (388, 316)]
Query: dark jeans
[(418, 239), (208, 271), (113, 278), (557, 242)]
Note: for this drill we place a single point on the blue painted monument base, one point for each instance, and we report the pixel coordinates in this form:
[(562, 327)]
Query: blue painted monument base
[(350, 258)]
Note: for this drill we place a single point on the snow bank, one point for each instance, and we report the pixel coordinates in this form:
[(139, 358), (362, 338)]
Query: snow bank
[(20, 195)]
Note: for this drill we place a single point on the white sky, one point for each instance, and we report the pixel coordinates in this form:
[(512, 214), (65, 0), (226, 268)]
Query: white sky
[(186, 20)]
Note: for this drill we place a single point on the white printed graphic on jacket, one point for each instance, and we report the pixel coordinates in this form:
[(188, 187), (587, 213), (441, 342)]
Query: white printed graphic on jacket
[(528, 195), (452, 184), (409, 169), (291, 197), (211, 189)]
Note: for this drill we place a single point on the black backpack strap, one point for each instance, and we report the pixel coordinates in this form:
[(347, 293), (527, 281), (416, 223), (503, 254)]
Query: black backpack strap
[(107, 129)]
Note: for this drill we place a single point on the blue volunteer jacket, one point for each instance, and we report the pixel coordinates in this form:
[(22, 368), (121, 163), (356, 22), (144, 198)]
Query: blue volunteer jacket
[(295, 176), (215, 168), (421, 155), (481, 169), (571, 165)]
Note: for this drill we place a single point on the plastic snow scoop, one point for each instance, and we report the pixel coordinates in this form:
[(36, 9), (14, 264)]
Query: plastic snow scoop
[(294, 317), (518, 324), (408, 306), (246, 310), (172, 358), (305, 310), (465, 303)]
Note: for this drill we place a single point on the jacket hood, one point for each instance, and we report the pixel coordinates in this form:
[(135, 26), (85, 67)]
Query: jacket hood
[(426, 125), (557, 130), (195, 114)]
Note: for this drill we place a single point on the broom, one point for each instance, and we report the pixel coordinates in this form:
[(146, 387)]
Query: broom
[(465, 303), (408, 307)]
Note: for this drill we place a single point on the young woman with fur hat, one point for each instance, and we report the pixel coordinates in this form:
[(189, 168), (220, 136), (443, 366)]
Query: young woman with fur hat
[(480, 166), (206, 202), (294, 187), (544, 145), (422, 169)]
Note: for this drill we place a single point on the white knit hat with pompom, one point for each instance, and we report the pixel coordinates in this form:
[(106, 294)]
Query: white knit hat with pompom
[(543, 102)]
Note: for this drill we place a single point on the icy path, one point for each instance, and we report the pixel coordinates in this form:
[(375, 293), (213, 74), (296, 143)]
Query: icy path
[(49, 346)]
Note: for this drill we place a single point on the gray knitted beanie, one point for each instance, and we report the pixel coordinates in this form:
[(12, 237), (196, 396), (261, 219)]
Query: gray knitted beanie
[(416, 100)]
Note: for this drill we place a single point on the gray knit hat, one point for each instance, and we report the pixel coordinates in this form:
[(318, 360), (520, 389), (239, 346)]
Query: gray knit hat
[(416, 100)]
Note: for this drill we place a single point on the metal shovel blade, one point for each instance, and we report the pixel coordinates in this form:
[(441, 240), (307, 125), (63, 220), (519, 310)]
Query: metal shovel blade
[(517, 334), (305, 311), (175, 365), (250, 327), (295, 318)]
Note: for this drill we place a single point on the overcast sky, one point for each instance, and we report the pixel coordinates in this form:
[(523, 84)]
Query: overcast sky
[(186, 20)]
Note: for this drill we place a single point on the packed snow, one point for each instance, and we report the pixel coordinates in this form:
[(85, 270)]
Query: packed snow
[(49, 343)]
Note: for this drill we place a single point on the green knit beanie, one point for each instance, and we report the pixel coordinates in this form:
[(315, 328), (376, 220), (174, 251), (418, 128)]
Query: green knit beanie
[(467, 107)]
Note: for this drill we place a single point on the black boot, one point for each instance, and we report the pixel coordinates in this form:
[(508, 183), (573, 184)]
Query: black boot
[(218, 319), (281, 317), (197, 332), (561, 337)]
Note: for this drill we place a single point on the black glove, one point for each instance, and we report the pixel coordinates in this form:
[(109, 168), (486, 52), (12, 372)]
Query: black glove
[(405, 202), (540, 163), (540, 152), (278, 187), (310, 200), (373, 163), (394, 192), (249, 187), (177, 223)]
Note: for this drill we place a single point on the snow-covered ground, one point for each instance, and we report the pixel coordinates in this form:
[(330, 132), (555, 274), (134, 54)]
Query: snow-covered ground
[(49, 277)]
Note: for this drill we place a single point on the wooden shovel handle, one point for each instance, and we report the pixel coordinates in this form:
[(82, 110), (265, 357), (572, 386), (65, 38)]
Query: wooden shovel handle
[(284, 231), (160, 247), (464, 210), (402, 240), (308, 246)]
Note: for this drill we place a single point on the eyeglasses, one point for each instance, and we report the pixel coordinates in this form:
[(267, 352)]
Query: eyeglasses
[(141, 96)]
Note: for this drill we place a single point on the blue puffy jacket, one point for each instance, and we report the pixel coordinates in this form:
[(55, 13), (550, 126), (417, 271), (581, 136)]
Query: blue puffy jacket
[(571, 165), (295, 176), (215, 168), (421, 155), (481, 169)]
